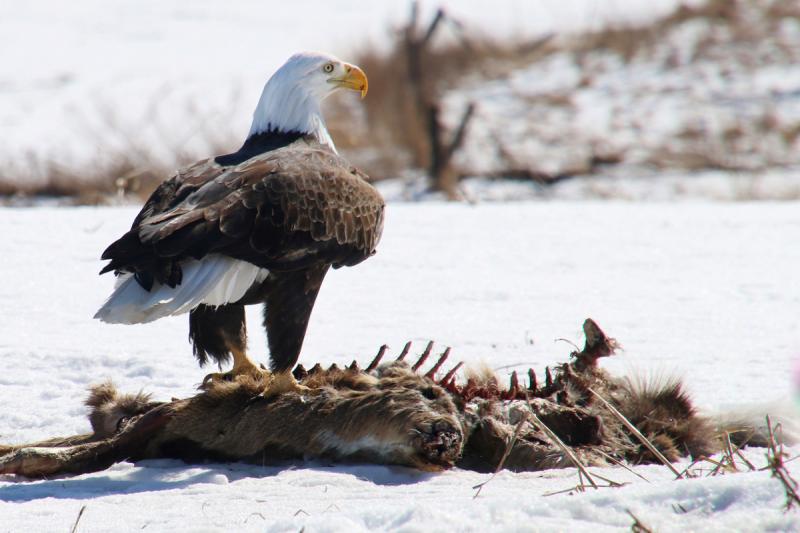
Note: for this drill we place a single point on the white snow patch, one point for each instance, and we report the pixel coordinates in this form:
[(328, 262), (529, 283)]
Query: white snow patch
[(706, 290)]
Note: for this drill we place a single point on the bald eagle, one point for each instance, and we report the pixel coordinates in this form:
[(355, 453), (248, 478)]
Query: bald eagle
[(260, 225)]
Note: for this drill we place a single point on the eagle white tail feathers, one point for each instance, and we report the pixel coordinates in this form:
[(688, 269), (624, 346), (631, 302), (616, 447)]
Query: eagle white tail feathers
[(213, 280)]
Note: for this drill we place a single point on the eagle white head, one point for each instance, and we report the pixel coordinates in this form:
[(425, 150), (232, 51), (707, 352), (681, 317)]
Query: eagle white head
[(291, 98)]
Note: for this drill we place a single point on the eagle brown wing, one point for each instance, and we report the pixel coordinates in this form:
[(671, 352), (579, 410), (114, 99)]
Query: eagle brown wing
[(285, 210)]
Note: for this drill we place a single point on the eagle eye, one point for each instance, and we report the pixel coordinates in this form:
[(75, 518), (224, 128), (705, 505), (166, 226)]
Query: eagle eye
[(328, 68)]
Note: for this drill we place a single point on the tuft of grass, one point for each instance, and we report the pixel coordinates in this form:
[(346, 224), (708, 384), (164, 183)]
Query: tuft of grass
[(509, 446), (78, 519), (638, 526), (398, 136), (777, 465), (126, 165), (638, 434), (566, 450)]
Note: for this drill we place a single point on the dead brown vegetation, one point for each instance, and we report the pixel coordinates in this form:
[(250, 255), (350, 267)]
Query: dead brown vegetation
[(405, 109), (120, 178), (776, 462), (627, 41), (406, 138), (404, 128), (125, 168)]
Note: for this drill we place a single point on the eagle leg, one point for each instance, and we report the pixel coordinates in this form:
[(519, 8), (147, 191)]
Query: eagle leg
[(217, 333), (290, 298)]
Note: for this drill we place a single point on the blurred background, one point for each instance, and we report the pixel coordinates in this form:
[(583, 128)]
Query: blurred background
[(469, 100)]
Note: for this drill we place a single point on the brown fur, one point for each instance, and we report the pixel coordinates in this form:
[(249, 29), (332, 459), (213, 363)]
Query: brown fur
[(358, 420), (391, 415), (664, 413), (110, 409)]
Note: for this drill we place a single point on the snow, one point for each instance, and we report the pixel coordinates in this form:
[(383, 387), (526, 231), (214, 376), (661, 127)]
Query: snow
[(703, 290), (697, 94), (708, 291), (81, 81), (380, 498), (616, 184)]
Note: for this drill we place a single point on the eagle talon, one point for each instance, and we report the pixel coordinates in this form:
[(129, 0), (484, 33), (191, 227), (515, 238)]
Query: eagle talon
[(243, 366), (216, 377), (283, 382)]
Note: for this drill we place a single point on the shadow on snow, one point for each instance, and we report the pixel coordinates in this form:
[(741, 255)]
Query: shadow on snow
[(165, 475)]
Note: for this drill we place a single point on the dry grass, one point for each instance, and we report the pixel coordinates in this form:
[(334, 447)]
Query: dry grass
[(638, 526), (125, 164), (386, 136), (628, 41), (399, 137), (777, 465), (78, 519), (737, 16), (638, 434), (509, 446), (566, 450), (718, 10), (784, 9), (92, 185)]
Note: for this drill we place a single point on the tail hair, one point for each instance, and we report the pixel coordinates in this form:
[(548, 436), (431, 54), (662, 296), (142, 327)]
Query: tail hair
[(747, 425)]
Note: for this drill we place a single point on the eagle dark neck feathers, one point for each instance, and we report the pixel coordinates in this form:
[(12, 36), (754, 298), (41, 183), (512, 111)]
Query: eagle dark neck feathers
[(260, 143), (288, 110)]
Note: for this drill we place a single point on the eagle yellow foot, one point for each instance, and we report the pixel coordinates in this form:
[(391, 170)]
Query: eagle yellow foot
[(274, 383), (242, 368), (283, 382)]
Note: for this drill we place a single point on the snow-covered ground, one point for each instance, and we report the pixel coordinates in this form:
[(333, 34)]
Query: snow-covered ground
[(621, 184), (702, 93), (81, 81), (707, 291)]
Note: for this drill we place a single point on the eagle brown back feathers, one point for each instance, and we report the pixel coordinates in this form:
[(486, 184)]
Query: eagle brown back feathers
[(286, 209)]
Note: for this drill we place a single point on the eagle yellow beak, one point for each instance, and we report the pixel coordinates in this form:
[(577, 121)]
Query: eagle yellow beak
[(354, 79)]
